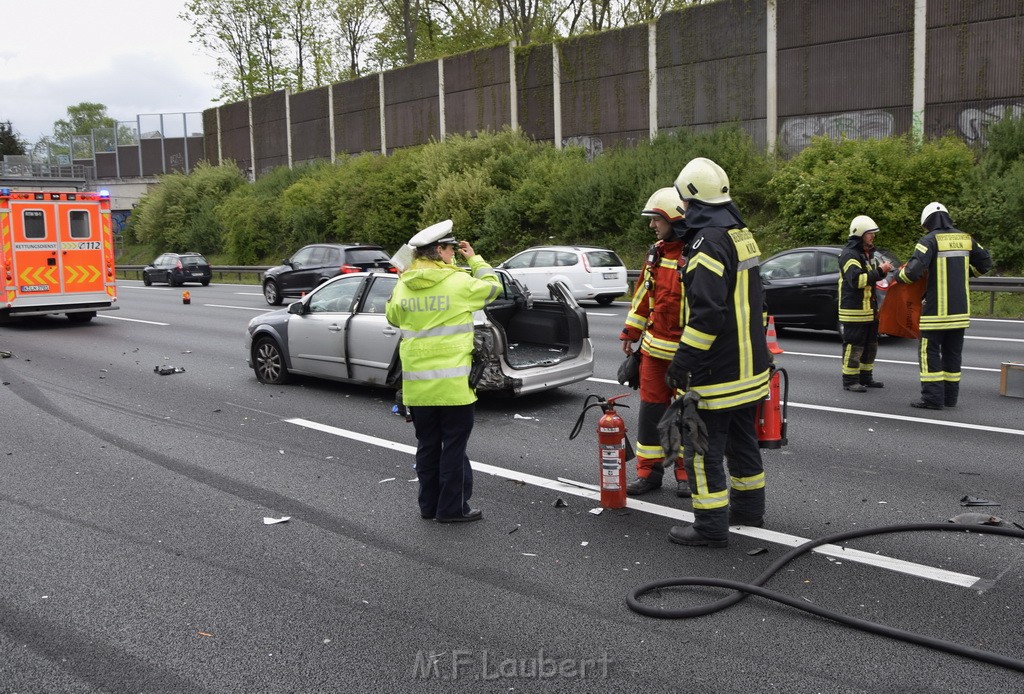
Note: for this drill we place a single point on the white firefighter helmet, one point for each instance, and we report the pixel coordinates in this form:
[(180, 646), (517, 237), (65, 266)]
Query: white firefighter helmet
[(861, 225), (665, 203), (705, 181), (930, 209)]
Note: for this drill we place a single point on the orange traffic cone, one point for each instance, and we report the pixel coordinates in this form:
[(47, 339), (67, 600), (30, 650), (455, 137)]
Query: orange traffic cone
[(186, 298), (773, 340)]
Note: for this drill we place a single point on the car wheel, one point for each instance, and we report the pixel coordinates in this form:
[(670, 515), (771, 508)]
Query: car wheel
[(604, 300), (272, 293), (83, 317), (205, 283), (171, 281), (146, 281), (268, 362)]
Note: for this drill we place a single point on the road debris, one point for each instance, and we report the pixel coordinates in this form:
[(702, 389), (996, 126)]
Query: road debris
[(976, 519), (273, 521), (559, 503), (166, 370), (977, 501)]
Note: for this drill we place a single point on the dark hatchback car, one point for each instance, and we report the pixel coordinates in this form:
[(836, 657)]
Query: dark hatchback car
[(178, 268), (801, 286), (313, 265)]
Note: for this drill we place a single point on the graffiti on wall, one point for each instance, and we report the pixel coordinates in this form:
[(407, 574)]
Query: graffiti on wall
[(974, 122), (590, 144), (796, 132)]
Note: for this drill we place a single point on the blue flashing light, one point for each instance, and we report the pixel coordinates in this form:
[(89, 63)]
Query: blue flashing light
[(104, 193), (5, 192)]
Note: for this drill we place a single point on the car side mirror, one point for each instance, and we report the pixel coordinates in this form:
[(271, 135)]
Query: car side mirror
[(297, 308)]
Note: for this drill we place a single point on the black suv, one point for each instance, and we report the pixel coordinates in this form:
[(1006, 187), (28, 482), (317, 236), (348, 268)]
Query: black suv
[(178, 268), (313, 265)]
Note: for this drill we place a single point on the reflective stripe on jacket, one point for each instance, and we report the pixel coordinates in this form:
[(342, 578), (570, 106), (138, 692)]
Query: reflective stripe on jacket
[(656, 311), (951, 258), (433, 305)]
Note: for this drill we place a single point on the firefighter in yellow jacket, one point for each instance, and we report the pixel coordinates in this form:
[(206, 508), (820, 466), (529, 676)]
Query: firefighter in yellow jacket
[(433, 304), (654, 319), (859, 270)]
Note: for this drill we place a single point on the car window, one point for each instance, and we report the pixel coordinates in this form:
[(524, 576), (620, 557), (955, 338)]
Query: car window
[(303, 256), (193, 260), (544, 259), (789, 265), (830, 264), (603, 259), (367, 255), (565, 259), (318, 256), (335, 297), (380, 292), (78, 223), (332, 256), (522, 260)]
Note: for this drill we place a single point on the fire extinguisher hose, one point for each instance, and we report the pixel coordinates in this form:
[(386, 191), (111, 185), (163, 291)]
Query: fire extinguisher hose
[(742, 590)]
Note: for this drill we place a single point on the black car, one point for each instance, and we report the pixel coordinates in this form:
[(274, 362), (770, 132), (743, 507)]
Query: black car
[(178, 268), (801, 286), (313, 265)]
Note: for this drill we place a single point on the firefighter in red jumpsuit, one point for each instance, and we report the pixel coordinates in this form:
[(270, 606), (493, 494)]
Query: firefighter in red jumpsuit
[(654, 318)]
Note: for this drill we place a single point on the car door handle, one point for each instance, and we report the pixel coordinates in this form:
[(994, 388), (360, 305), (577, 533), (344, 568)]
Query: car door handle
[(389, 331), (334, 328)]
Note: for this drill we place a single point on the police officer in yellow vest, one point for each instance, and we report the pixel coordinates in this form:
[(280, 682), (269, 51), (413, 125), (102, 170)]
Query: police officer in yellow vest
[(433, 304)]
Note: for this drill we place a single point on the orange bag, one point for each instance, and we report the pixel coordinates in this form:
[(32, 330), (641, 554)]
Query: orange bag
[(900, 315)]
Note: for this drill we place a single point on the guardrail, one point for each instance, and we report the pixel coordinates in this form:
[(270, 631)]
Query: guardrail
[(134, 272)]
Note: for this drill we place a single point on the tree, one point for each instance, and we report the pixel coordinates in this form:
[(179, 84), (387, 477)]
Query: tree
[(76, 135), (10, 143)]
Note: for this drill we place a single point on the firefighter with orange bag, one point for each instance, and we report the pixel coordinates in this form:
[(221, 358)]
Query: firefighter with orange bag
[(655, 320)]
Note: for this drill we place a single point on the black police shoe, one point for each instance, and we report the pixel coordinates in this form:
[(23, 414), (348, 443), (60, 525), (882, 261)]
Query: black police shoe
[(474, 514), (925, 405), (686, 535), (642, 485)]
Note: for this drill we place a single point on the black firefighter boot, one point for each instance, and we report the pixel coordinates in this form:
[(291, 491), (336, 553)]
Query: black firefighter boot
[(642, 485)]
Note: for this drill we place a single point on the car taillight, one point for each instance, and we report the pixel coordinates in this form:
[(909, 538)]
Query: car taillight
[(393, 269), (348, 269)]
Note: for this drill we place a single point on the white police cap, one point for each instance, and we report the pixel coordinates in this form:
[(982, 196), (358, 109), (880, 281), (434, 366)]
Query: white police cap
[(435, 233)]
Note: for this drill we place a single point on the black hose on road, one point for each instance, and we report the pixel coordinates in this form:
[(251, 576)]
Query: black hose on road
[(756, 588)]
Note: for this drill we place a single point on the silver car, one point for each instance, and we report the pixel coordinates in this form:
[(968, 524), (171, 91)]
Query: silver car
[(339, 332)]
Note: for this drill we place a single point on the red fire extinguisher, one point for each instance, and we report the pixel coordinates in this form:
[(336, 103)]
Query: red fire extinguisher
[(772, 412), (613, 446)]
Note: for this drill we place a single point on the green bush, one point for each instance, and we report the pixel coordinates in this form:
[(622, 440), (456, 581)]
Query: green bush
[(890, 180)]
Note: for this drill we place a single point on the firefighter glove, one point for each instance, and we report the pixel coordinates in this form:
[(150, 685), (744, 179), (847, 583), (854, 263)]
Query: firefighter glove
[(629, 371), (676, 377)]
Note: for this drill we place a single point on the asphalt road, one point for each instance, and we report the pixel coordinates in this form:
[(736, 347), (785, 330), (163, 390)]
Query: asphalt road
[(136, 557)]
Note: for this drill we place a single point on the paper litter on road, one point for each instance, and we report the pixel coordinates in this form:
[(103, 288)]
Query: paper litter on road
[(272, 521), (597, 511)]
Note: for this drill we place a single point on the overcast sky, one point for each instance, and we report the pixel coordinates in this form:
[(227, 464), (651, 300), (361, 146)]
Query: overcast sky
[(133, 56)]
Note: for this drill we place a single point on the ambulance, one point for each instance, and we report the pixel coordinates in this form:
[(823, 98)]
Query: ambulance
[(58, 254)]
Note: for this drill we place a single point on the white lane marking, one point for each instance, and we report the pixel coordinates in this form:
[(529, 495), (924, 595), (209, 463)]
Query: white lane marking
[(130, 320), (879, 415), (994, 339), (907, 418), (140, 286), (249, 293), (886, 361), (240, 308), (881, 561), (597, 313), (996, 320)]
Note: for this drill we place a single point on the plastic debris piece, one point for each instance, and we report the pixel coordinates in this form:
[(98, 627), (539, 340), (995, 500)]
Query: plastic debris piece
[(757, 550), (976, 519), (560, 503), (597, 511), (519, 416), (584, 543), (203, 633), (387, 479), (4, 354), (513, 530), (528, 554), (977, 501), (272, 521), (166, 370)]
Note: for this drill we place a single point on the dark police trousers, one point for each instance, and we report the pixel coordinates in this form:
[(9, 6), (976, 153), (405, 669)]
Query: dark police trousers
[(442, 466)]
